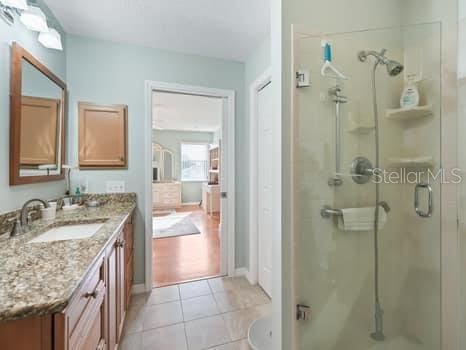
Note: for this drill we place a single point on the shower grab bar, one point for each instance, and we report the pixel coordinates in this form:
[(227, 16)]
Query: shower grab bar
[(327, 212)]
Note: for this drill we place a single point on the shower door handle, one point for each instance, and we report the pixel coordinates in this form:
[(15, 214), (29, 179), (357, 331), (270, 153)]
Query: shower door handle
[(430, 200)]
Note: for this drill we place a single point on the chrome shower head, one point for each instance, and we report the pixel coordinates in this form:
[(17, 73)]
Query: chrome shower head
[(393, 67)]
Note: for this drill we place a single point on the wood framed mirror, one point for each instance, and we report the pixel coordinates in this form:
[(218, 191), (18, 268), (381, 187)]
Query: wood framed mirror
[(37, 120)]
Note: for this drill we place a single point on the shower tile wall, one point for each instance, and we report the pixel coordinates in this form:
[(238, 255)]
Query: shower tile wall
[(462, 160), (335, 268)]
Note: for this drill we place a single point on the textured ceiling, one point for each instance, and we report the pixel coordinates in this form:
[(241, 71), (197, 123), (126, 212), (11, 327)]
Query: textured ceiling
[(186, 112), (215, 28)]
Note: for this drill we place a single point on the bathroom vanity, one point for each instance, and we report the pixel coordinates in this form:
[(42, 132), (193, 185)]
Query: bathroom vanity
[(69, 294)]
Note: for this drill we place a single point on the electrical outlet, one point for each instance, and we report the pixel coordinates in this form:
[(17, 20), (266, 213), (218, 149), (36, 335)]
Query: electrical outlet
[(115, 186)]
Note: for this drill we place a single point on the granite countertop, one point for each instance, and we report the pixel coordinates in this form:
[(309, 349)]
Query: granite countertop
[(40, 278)]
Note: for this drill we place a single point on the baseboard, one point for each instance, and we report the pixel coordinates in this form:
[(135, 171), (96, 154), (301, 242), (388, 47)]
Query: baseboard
[(190, 203), (249, 278), (241, 272), (138, 288)]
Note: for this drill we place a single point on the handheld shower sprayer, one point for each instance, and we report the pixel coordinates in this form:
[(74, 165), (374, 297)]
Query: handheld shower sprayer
[(393, 67)]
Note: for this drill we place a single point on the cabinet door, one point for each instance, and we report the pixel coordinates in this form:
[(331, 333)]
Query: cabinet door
[(129, 259), (116, 293), (33, 333), (40, 133), (102, 136), (112, 298), (121, 287)]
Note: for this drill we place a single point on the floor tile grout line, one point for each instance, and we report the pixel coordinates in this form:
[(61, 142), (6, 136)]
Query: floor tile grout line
[(230, 342), (223, 313), (182, 309), (184, 322), (186, 336), (160, 327)]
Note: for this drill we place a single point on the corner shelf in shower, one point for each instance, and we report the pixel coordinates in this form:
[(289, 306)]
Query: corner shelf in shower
[(360, 129), (418, 162), (409, 113)]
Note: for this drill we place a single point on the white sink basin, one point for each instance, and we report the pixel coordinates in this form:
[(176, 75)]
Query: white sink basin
[(63, 233)]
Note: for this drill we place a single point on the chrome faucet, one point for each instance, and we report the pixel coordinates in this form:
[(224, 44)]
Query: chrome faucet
[(24, 210)]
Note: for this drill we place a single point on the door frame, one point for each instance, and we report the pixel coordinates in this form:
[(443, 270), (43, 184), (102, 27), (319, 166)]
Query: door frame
[(264, 79), (227, 246)]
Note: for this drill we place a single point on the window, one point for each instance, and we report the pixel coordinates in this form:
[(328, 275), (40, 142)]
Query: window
[(194, 162)]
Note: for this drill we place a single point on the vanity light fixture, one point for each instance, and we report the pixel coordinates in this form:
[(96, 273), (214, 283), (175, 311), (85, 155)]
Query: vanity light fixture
[(51, 39), (34, 19), (16, 4)]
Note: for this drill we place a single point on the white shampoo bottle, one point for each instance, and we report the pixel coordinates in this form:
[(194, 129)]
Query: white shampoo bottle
[(410, 96)]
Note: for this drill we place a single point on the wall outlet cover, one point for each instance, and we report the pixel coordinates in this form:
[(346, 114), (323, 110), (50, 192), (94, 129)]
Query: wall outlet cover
[(115, 186)]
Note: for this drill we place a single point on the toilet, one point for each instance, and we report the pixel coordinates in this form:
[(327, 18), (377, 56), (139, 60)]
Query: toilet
[(260, 333)]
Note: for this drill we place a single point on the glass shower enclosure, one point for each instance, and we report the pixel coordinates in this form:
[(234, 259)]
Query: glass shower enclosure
[(367, 180)]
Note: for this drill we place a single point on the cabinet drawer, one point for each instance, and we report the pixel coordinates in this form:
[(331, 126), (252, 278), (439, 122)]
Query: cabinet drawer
[(83, 298), (88, 331), (168, 196), (170, 201)]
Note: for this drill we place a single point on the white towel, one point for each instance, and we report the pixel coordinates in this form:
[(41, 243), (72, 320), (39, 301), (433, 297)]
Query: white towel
[(360, 219)]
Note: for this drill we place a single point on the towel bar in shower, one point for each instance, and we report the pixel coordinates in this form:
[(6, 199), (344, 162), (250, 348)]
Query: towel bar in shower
[(327, 212)]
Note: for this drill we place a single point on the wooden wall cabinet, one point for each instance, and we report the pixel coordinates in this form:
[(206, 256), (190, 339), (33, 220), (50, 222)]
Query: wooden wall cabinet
[(94, 317), (40, 121), (103, 136)]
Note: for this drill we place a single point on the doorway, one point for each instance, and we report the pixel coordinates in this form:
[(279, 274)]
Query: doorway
[(190, 184)]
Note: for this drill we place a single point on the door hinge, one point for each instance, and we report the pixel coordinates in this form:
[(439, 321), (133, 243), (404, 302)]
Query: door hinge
[(303, 78)]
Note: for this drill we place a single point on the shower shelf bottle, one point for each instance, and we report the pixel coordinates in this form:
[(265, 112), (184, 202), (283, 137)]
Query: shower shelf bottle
[(410, 96)]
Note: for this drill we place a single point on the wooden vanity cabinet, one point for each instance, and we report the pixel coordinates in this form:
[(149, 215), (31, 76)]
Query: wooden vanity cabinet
[(34, 333), (94, 317), (82, 324)]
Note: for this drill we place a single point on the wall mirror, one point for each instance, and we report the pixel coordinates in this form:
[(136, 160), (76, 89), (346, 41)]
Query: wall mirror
[(163, 164), (37, 120)]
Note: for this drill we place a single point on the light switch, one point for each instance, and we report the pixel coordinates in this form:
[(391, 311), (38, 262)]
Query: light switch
[(115, 186)]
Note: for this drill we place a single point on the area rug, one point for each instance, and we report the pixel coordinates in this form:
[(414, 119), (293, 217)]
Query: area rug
[(175, 224)]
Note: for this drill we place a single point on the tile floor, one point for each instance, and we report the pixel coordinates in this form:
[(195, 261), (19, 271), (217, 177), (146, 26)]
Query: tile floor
[(210, 314)]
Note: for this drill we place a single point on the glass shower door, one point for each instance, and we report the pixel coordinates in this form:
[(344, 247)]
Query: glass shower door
[(366, 289)]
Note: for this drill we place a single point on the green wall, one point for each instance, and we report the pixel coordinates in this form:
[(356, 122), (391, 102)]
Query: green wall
[(171, 139), (13, 197), (109, 73), (256, 64)]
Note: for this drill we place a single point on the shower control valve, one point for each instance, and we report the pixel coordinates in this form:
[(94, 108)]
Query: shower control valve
[(302, 312)]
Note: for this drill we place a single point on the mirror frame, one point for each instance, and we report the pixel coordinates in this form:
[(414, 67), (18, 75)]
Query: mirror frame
[(18, 54), (162, 150)]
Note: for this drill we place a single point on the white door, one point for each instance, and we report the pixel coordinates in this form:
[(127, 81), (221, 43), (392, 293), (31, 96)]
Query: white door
[(264, 186)]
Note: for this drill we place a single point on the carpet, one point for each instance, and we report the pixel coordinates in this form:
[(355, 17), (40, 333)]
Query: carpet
[(175, 224)]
